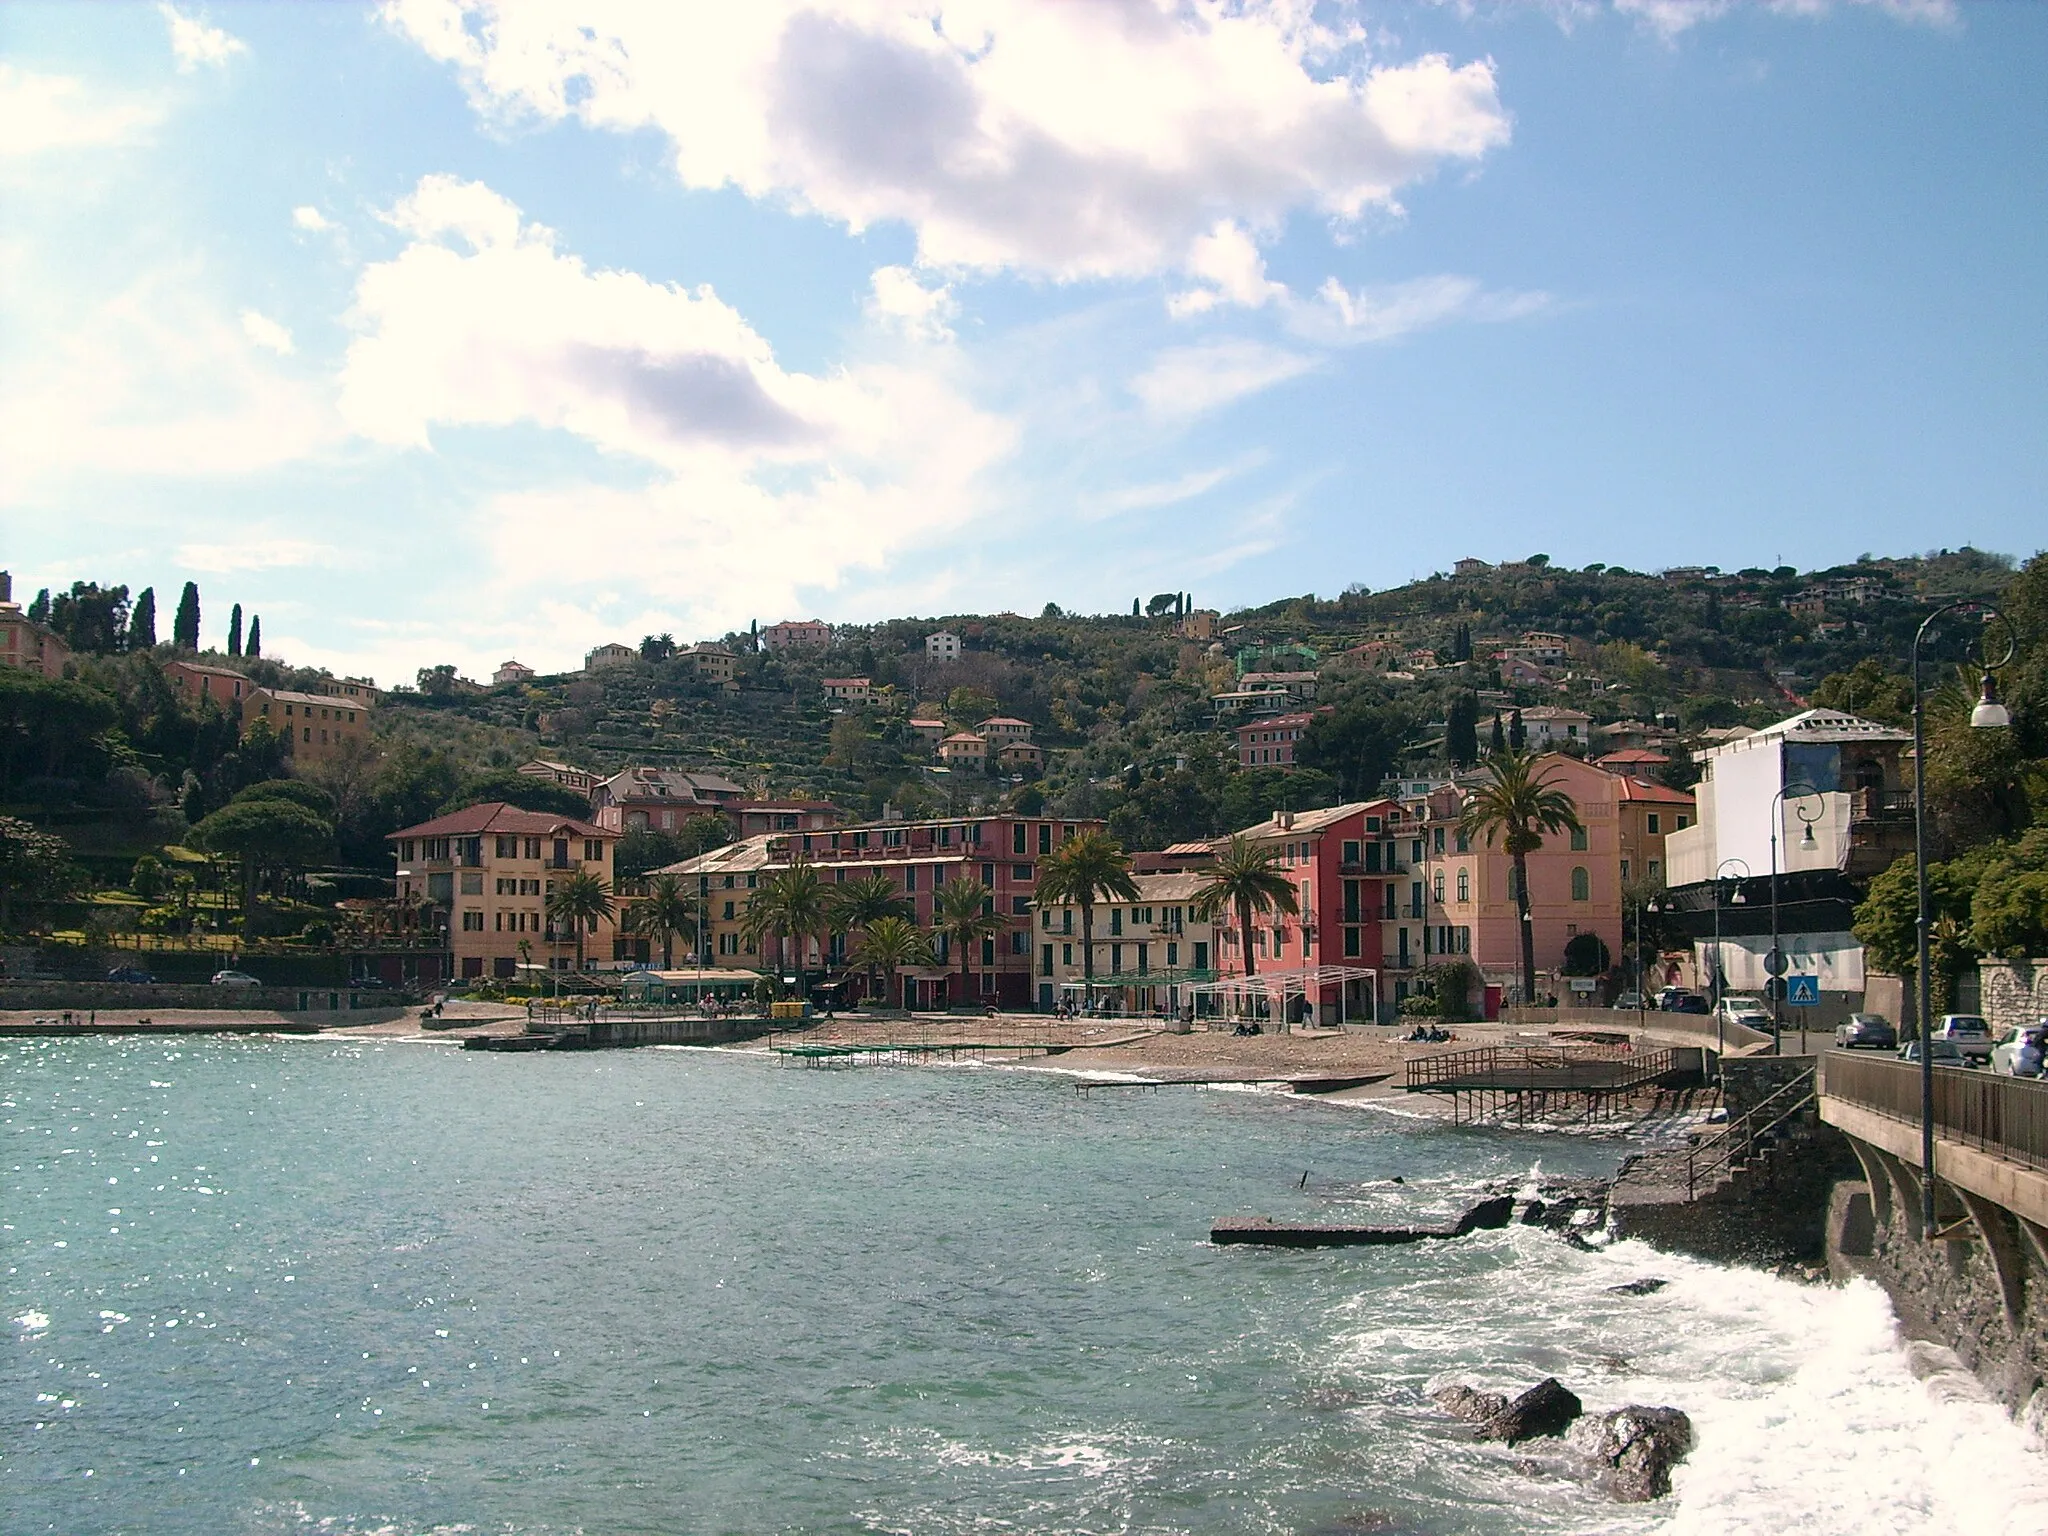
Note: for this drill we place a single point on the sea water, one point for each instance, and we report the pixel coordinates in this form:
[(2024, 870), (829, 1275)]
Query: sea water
[(361, 1287)]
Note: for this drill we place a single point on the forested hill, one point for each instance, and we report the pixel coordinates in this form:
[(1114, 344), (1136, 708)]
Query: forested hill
[(1122, 703)]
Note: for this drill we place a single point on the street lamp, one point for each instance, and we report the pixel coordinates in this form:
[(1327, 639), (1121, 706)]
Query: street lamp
[(1988, 714), (1774, 963)]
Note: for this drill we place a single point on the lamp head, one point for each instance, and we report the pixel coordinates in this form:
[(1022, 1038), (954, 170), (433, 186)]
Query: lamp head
[(1738, 899), (1806, 839), (1990, 714)]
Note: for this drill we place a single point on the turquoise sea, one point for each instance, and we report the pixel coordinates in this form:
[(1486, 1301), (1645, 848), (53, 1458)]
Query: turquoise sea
[(381, 1286)]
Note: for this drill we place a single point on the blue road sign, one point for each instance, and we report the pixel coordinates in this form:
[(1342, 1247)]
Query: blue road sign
[(1802, 991)]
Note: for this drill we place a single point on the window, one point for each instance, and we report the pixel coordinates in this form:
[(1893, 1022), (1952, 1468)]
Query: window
[(1464, 885), (1656, 824), (1464, 843), (1372, 823), (1116, 919), (1656, 867), (473, 885), (1045, 838), (1020, 871), (533, 848), (1578, 839), (1066, 954), (1437, 839), (472, 922), (910, 878), (1017, 837), (728, 911), (1684, 821), (1020, 906), (507, 848), (1045, 961), (1582, 884), (507, 887), (1116, 958), (1351, 946), (1392, 900), (1437, 889), (988, 874), (1172, 956), (1415, 851)]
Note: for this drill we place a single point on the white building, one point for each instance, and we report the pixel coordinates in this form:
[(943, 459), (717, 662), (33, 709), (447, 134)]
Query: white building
[(512, 672), (943, 646), (1548, 727)]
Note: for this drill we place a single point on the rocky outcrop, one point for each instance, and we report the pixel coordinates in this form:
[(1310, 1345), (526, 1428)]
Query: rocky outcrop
[(1635, 1448), (1642, 1287), (1469, 1404)]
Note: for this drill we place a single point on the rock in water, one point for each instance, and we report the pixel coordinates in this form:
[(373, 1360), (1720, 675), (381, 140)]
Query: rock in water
[(1474, 1407), (1545, 1409), (1638, 1287), (1640, 1446)]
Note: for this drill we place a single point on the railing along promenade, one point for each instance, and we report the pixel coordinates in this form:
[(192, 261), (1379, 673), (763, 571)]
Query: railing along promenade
[(2005, 1116)]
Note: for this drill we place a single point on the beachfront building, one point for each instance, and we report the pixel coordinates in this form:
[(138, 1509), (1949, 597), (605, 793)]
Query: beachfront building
[(1150, 954), (1349, 865), (487, 872), (1832, 787), (791, 633), (920, 858), (1457, 899), (316, 725)]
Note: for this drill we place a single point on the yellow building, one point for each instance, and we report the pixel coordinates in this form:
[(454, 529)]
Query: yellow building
[(315, 724), (489, 870), (1148, 953)]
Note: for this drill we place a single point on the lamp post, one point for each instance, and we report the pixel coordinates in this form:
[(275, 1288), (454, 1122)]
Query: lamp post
[(1720, 970), (1774, 963), (1988, 714)]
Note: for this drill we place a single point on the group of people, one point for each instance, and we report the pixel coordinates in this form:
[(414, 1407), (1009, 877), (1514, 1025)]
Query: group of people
[(1429, 1034)]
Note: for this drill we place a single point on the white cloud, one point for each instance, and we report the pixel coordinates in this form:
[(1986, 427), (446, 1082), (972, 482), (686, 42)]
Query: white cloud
[(310, 219), (1343, 316), (266, 333), (1072, 140), (1670, 18), (1227, 260), (46, 112), (255, 554), (1186, 381), (194, 43), (899, 299), (1168, 493), (758, 479)]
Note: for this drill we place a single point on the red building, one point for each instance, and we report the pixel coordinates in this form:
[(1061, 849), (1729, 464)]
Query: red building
[(1270, 742), (1349, 865)]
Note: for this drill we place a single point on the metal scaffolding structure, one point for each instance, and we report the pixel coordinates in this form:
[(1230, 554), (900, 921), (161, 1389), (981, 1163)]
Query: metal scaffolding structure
[(1241, 997)]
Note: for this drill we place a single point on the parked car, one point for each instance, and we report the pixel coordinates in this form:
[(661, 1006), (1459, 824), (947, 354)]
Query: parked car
[(1970, 1032), (2021, 1052), (1740, 1008), (1691, 1002), (235, 979), (1667, 999), (1943, 1053), (1629, 1000), (1871, 1031), (130, 973)]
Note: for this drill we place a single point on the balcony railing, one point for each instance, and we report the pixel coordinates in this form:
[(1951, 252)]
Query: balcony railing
[(2005, 1116), (1881, 805)]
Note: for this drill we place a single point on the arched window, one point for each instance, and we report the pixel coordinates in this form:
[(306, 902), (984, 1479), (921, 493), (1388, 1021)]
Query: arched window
[(1464, 885), (1869, 775), (1582, 884), (1439, 891), (1578, 839)]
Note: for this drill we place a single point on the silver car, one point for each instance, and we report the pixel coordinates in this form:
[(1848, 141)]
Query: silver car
[(1866, 1031), (1970, 1033), (2021, 1052)]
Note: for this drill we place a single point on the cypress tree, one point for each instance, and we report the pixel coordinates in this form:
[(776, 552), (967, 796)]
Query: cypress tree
[(39, 610), (235, 631), (185, 627), (1517, 737), (1461, 731), (142, 621), (255, 646), (1500, 740)]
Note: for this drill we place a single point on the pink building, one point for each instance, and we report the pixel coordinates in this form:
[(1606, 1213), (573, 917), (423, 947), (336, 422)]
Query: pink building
[(795, 632), (1462, 896), (1270, 742), (1348, 865)]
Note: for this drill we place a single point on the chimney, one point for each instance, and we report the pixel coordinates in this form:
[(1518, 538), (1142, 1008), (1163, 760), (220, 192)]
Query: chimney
[(1285, 821), (6, 587)]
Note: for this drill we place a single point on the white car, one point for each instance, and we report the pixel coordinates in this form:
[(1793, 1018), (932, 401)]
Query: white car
[(1750, 1012), (1969, 1032), (235, 979), (2021, 1053)]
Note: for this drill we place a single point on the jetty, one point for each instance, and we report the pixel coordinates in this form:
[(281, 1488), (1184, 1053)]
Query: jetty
[(1490, 1214), (1574, 1083)]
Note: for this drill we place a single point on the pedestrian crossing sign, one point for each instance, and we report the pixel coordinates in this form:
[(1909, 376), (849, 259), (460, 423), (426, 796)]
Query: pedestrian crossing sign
[(1802, 991)]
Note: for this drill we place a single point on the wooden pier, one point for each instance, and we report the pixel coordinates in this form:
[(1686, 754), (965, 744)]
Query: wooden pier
[(1517, 1084)]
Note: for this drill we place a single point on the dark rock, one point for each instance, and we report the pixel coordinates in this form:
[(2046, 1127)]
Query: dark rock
[(1462, 1402), (1545, 1409), (1532, 1213), (1643, 1287), (1491, 1213), (1619, 1365), (1637, 1447)]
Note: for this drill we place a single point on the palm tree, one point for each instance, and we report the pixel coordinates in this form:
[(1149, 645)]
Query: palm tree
[(668, 909), (965, 913), (790, 904), (1246, 880), (1085, 866), (581, 898), (892, 943), (864, 900), (1519, 804)]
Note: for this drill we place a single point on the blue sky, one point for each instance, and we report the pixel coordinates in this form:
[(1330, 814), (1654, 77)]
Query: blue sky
[(446, 331)]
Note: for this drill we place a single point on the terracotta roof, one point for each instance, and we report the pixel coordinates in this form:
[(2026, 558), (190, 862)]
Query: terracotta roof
[(1311, 821), (1004, 720), (1658, 794), (329, 699), (963, 736), (496, 816)]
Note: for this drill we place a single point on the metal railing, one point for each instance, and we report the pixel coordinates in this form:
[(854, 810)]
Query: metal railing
[(2005, 1116), (1550, 1067), (1739, 1138)]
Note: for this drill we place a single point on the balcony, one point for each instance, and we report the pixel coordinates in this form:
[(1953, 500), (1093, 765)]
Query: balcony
[(1880, 805), (1399, 962)]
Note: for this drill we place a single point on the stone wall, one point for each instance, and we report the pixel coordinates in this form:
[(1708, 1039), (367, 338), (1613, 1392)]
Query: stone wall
[(118, 997), (2014, 992)]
